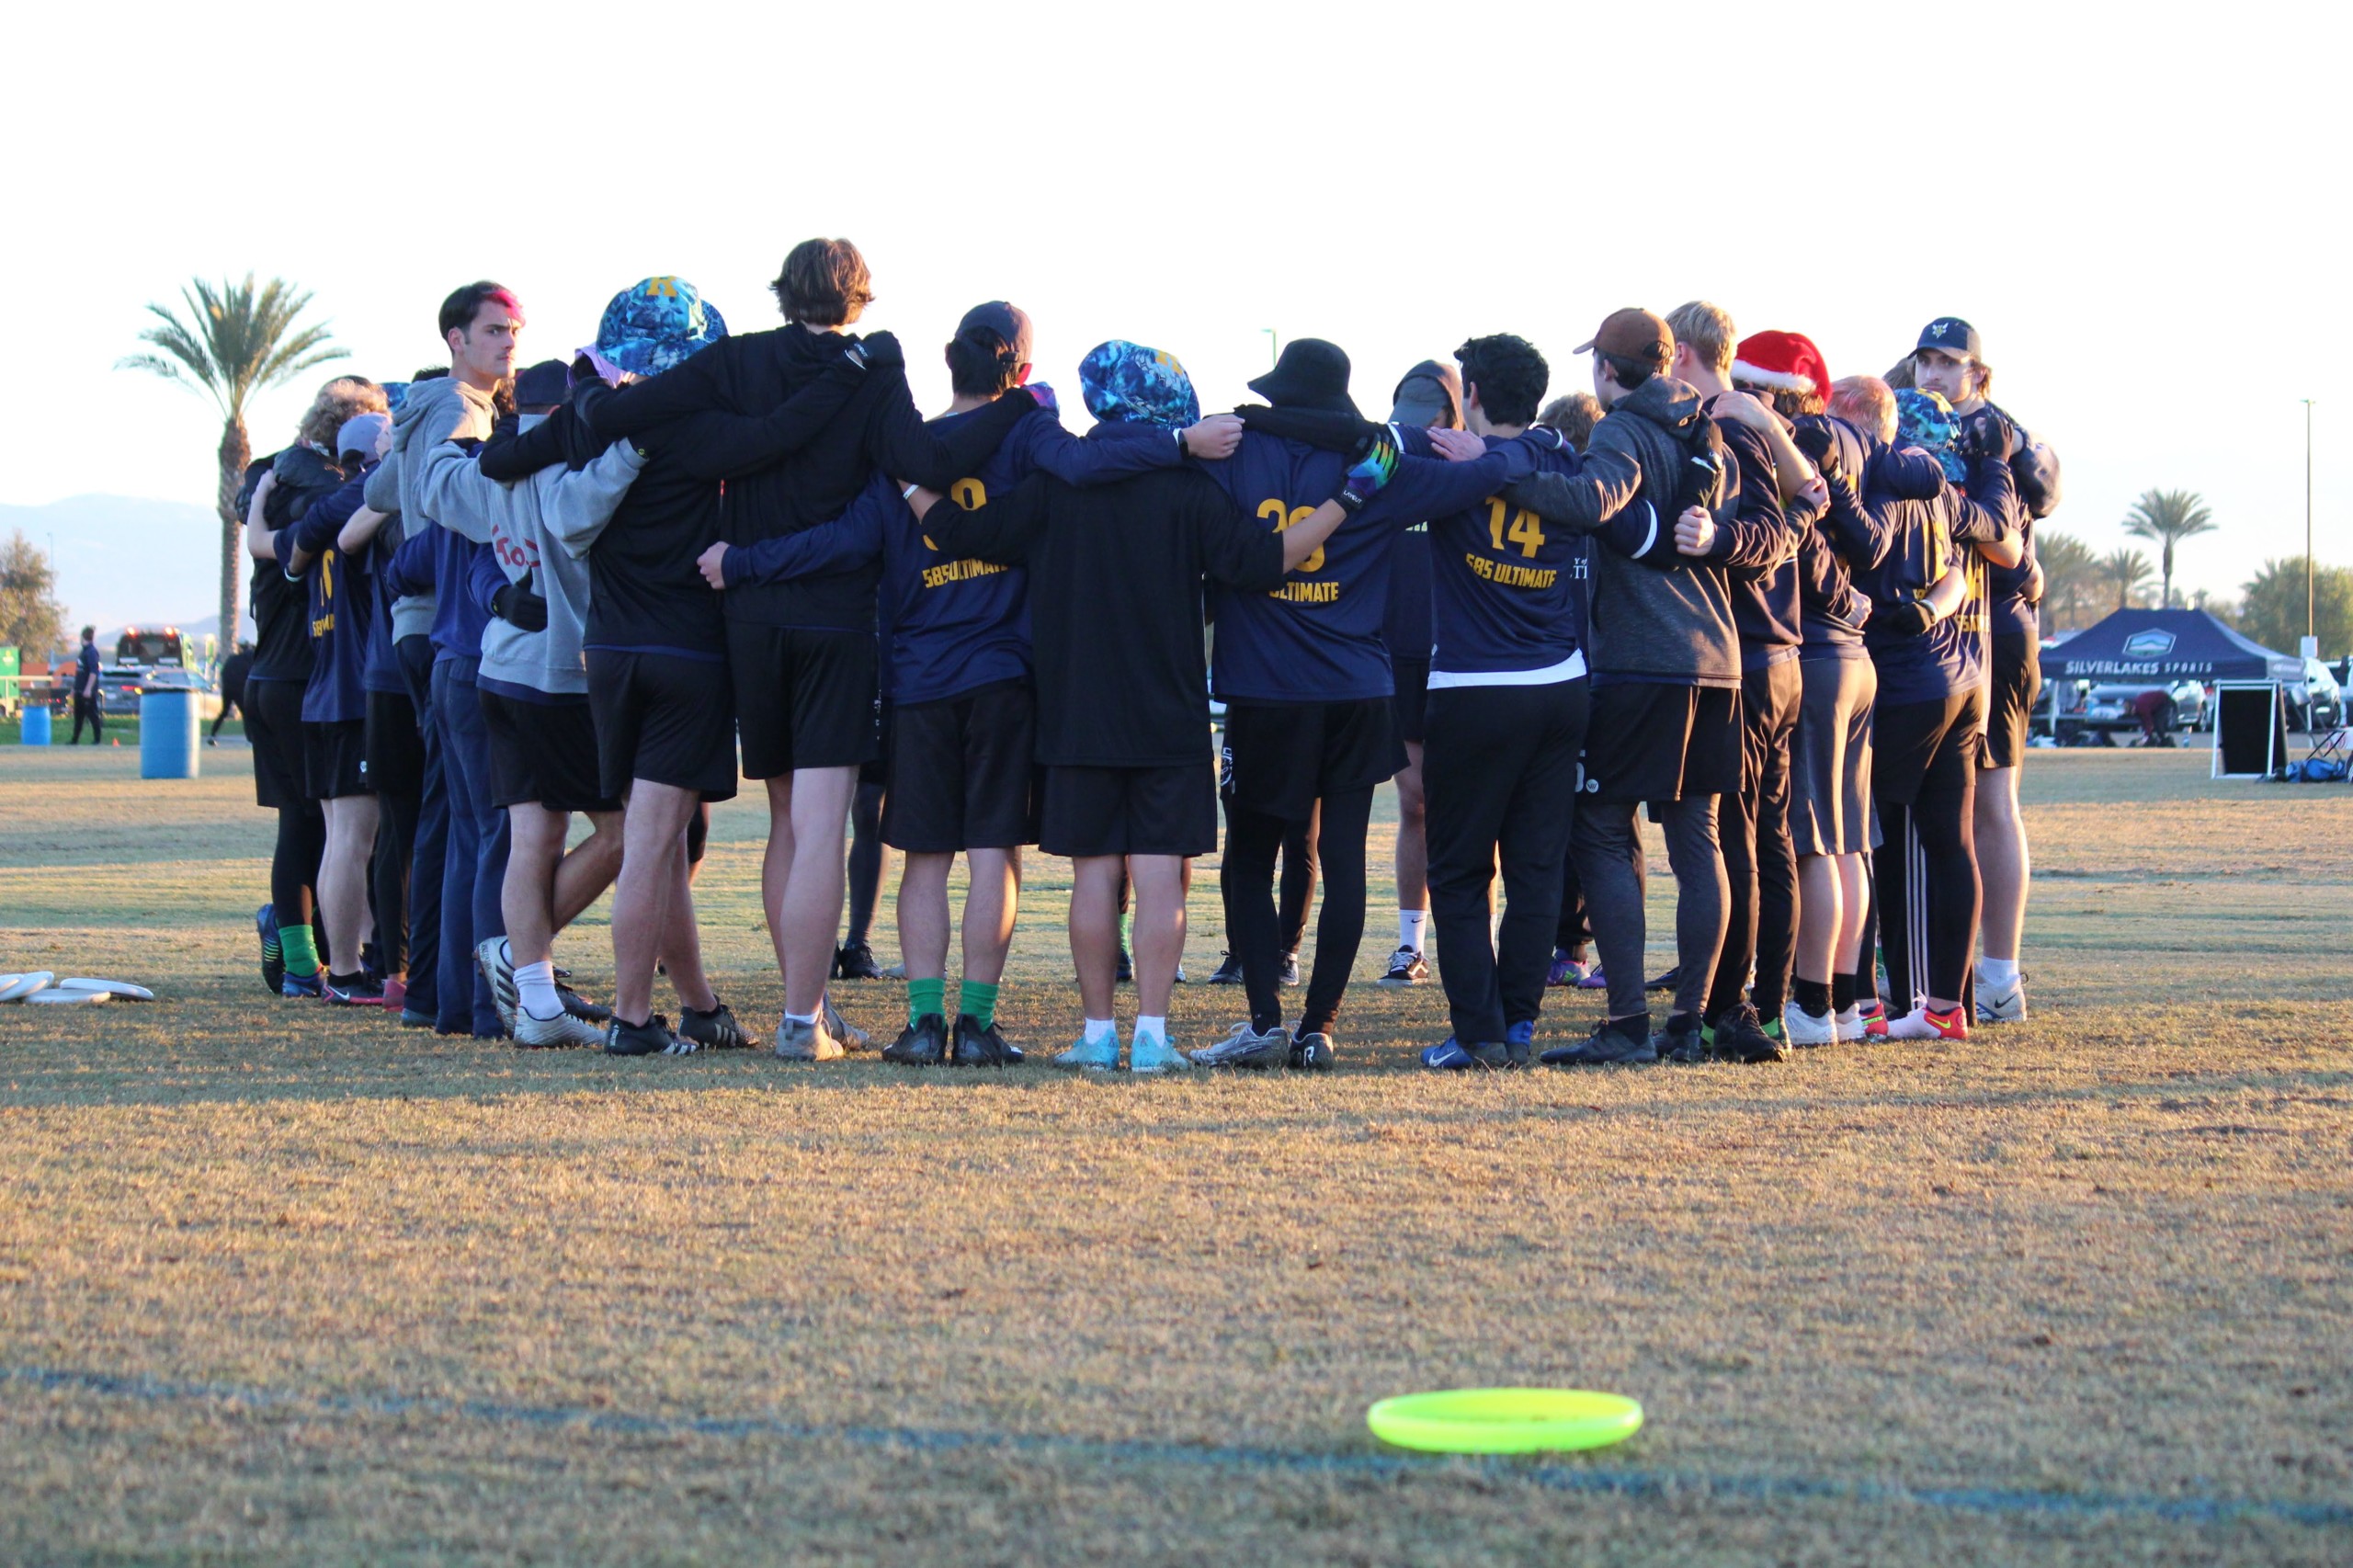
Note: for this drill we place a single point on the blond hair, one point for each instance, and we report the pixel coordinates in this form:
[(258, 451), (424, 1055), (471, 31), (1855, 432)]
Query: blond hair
[(1868, 404), (1707, 330)]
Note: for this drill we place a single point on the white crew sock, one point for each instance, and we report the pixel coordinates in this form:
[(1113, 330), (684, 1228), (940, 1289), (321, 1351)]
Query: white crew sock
[(1101, 1029), (535, 984), (1409, 927), (800, 1018), (1157, 1027), (1999, 973)]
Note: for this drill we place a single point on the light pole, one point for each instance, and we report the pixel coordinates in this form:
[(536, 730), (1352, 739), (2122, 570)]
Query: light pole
[(2309, 630)]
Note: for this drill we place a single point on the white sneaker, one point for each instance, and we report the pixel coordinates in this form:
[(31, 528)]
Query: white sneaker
[(497, 966), (2001, 1006), (1848, 1021), (1802, 1027), (562, 1031), (1921, 1024), (1246, 1047)]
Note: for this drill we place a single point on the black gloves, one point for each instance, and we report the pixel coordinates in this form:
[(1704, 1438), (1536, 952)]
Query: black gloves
[(876, 351), (1985, 434), (1909, 619), (519, 607)]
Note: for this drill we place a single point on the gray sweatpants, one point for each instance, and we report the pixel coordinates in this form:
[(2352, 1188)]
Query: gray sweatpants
[(1608, 850)]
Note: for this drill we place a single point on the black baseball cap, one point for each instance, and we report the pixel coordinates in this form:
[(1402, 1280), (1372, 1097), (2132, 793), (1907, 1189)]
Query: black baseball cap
[(1311, 373), (1007, 325), (1950, 334)]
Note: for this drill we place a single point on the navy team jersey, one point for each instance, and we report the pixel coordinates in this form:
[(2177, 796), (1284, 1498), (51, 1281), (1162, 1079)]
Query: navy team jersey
[(1318, 638), (1508, 588), (953, 626), (341, 601)]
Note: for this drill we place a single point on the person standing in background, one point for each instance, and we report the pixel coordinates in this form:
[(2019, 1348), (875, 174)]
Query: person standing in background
[(89, 705)]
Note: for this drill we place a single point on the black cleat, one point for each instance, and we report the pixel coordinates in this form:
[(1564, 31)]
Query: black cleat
[(1228, 970), (1668, 981), (273, 957), (576, 1005), (1311, 1053), (923, 1043), (1740, 1037), (1622, 1042), (976, 1047), (714, 1030), (855, 960), (651, 1038), (1683, 1040)]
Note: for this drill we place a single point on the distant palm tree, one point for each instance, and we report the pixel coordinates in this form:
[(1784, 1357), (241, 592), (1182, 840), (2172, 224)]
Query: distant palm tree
[(2128, 570), (237, 342), (2070, 575), (2169, 517)]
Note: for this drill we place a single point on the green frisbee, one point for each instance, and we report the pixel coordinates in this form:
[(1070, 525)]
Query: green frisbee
[(1505, 1421)]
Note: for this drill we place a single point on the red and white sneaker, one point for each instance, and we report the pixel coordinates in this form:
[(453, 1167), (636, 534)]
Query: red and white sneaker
[(1925, 1023), (1873, 1015)]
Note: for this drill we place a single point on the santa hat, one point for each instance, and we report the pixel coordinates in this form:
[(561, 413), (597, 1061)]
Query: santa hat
[(1787, 362)]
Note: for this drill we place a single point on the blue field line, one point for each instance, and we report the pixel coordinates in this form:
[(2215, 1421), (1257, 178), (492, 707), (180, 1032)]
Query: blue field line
[(1582, 1478)]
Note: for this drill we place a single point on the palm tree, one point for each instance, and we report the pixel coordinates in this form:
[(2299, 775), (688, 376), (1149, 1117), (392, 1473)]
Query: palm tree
[(2070, 573), (2169, 517), (2129, 570), (237, 342)]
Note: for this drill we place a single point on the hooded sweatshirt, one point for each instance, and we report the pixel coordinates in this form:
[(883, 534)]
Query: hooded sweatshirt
[(438, 410), (876, 426), (539, 532), (1764, 603), (1658, 616)]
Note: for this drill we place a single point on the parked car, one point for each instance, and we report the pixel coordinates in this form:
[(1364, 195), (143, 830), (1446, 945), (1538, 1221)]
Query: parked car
[(2111, 709), (2316, 702)]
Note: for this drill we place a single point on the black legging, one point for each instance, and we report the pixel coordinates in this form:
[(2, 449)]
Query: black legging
[(294, 866), (1574, 932), (1247, 886), (865, 859), (1298, 894), (388, 877), (88, 710)]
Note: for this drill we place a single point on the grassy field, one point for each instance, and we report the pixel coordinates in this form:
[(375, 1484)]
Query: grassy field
[(279, 1284)]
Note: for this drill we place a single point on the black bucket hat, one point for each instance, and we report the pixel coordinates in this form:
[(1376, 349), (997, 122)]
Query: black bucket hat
[(1311, 374)]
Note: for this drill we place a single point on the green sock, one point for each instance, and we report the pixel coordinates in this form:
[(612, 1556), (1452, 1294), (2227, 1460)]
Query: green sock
[(301, 953), (924, 998), (978, 1001)]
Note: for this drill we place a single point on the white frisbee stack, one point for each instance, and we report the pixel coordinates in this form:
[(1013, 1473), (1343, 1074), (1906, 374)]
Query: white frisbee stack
[(43, 986)]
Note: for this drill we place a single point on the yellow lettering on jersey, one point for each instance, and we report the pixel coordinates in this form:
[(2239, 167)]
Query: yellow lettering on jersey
[(959, 572), (1308, 593), (1288, 516)]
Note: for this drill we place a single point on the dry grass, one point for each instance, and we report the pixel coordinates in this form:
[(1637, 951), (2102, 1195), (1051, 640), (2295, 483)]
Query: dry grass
[(279, 1284)]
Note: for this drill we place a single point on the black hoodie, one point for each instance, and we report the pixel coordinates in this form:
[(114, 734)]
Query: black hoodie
[(878, 427)]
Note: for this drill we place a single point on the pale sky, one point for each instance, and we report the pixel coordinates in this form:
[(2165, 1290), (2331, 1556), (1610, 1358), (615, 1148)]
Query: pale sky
[(2143, 210)]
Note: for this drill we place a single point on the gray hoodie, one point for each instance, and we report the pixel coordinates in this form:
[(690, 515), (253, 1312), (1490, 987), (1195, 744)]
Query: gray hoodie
[(539, 527), (1657, 616), (442, 409)]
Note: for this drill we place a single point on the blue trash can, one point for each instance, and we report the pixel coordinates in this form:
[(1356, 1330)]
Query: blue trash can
[(168, 726), (36, 731)]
